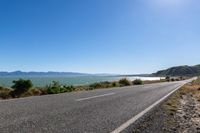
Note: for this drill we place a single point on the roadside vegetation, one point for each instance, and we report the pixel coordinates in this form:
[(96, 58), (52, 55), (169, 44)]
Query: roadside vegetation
[(25, 88)]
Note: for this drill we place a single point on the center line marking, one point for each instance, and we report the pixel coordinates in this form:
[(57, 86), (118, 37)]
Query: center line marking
[(82, 99)]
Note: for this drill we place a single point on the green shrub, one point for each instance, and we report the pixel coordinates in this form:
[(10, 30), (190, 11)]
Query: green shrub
[(56, 88), (172, 79), (105, 84), (181, 78), (67, 89), (124, 82), (167, 78), (95, 85), (21, 86), (114, 84), (53, 88), (138, 82)]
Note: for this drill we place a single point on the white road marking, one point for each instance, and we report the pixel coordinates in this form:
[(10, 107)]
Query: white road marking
[(135, 118), (82, 99)]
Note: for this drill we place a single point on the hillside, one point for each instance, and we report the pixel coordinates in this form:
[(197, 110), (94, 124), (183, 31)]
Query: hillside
[(180, 71)]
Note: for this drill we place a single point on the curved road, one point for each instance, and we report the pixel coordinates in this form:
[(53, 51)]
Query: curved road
[(98, 111)]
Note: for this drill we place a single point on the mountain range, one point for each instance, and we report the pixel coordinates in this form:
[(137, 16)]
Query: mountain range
[(20, 73), (173, 71)]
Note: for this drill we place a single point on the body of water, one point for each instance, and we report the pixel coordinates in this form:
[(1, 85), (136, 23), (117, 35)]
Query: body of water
[(82, 80)]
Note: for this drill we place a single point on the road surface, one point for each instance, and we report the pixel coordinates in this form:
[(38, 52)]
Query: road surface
[(98, 111)]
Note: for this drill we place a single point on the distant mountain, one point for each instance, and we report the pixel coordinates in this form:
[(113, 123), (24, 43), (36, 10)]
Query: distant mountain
[(180, 71), (20, 73)]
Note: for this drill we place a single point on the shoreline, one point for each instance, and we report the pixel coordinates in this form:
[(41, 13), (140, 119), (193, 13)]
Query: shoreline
[(42, 81), (56, 88)]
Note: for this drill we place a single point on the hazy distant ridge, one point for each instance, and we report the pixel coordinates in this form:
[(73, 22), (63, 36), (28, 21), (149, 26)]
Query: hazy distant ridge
[(20, 73), (173, 71)]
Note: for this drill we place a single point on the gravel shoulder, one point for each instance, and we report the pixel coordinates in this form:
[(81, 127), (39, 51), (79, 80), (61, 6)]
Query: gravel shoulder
[(179, 114)]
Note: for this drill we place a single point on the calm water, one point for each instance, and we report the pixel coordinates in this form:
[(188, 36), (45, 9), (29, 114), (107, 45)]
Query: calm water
[(83, 80)]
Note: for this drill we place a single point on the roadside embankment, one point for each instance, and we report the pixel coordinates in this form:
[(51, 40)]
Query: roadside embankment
[(179, 114)]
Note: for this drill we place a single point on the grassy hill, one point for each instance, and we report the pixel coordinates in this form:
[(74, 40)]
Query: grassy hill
[(180, 71)]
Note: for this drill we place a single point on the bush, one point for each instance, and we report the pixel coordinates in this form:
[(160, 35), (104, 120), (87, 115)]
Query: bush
[(124, 82), (172, 79), (56, 88), (21, 86), (53, 90), (67, 89), (167, 78), (181, 78), (114, 84), (138, 82), (95, 85), (105, 84)]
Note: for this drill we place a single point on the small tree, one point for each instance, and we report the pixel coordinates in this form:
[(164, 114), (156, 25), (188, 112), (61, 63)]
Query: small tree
[(20, 86)]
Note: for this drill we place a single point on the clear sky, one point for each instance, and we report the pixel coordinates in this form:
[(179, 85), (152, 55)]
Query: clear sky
[(98, 36)]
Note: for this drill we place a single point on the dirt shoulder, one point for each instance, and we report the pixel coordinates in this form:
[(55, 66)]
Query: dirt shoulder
[(179, 114)]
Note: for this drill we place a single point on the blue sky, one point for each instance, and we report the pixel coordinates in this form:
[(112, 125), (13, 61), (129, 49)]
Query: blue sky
[(98, 36)]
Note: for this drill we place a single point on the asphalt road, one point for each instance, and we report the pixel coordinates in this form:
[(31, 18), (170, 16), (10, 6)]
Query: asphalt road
[(98, 111)]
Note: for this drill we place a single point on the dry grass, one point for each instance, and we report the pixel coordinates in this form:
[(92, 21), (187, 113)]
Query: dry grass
[(153, 81), (5, 93), (190, 88), (32, 92), (193, 88), (172, 104)]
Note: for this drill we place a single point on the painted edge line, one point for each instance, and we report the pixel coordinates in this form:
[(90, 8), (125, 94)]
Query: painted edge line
[(135, 118), (82, 99)]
